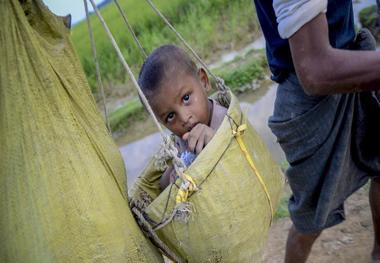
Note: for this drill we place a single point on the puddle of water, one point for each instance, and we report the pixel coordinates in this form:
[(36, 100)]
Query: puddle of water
[(259, 43)]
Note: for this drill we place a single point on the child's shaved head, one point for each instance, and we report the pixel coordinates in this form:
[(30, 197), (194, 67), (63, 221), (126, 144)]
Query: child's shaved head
[(161, 64), (176, 89)]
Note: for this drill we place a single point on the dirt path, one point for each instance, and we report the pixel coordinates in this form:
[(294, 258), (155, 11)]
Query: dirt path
[(350, 241)]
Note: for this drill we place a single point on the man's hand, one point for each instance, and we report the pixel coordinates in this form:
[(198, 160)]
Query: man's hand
[(198, 137), (168, 177)]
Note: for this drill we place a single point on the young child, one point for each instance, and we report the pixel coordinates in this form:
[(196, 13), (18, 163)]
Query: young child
[(177, 92)]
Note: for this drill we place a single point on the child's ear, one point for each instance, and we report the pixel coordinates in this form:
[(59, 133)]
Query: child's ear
[(204, 79)]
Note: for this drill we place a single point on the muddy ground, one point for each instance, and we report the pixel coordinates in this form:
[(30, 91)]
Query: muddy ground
[(350, 241)]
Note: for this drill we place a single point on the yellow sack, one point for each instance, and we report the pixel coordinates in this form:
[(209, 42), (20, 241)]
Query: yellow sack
[(230, 212), (62, 180)]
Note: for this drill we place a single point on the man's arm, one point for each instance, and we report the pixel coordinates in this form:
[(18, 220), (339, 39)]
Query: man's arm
[(324, 70)]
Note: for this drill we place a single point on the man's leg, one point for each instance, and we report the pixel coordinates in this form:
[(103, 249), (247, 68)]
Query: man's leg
[(374, 200), (299, 245)]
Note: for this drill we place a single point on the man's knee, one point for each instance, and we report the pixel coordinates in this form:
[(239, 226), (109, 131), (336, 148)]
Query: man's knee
[(298, 236)]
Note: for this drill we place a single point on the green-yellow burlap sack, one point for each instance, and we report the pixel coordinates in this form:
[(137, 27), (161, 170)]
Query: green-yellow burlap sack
[(230, 213), (62, 180)]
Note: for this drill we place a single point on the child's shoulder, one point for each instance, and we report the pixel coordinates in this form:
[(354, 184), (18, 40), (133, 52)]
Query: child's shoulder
[(218, 113)]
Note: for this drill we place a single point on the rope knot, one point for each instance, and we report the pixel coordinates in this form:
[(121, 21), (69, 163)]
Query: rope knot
[(163, 156), (221, 85), (187, 187), (223, 96), (240, 130), (169, 151)]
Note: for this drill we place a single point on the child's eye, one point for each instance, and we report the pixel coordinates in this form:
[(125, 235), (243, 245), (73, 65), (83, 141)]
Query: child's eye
[(186, 98), (170, 117)]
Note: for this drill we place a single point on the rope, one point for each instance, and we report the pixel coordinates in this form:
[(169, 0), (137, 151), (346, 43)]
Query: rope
[(181, 212), (188, 185), (98, 75), (130, 29), (165, 221), (126, 67), (220, 85), (185, 190), (150, 232), (168, 144)]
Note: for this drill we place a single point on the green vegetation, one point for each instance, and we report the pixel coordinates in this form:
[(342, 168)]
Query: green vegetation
[(210, 27), (284, 166), (127, 114), (243, 70), (368, 17), (282, 210)]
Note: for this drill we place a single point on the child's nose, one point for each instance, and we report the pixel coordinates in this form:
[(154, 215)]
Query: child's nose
[(185, 116)]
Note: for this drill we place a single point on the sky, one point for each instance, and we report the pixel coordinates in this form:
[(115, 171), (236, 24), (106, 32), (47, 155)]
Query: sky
[(73, 7)]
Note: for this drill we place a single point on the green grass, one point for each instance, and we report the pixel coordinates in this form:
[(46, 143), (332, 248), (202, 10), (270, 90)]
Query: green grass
[(210, 26), (284, 165), (282, 210), (243, 70), (125, 115), (368, 15)]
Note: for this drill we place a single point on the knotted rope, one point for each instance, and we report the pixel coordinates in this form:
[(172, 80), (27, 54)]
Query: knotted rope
[(169, 146), (182, 208)]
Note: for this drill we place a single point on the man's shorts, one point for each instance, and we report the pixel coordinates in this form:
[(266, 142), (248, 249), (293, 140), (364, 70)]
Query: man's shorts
[(332, 144)]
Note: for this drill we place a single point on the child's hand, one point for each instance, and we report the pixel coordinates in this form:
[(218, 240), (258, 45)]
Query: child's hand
[(198, 137), (168, 177)]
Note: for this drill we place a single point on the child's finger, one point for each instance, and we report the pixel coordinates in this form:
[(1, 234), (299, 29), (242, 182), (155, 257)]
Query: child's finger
[(200, 143), (185, 136), (193, 137), (191, 142)]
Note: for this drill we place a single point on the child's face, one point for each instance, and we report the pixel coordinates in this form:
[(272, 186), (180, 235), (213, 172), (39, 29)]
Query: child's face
[(182, 102)]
